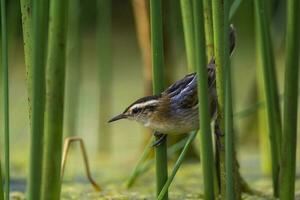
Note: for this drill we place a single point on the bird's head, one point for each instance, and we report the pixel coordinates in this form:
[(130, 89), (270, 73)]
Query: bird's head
[(143, 110)]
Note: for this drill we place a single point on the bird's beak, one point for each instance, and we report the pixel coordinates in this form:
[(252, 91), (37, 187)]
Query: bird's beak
[(118, 117)]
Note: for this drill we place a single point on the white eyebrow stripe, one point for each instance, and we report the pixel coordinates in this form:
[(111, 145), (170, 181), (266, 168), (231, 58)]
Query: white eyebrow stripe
[(144, 104)]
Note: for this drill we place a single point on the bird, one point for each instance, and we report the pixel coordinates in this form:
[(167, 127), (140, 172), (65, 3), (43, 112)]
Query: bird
[(175, 110)]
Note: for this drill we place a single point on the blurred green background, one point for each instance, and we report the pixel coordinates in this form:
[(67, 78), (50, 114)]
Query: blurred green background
[(127, 138)]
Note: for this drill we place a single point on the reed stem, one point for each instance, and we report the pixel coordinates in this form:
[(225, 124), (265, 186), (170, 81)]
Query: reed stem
[(158, 86), (141, 17), (39, 44), (209, 39), (73, 68), (264, 48), (219, 53), (289, 143), (264, 143), (26, 10), (55, 77), (188, 30), (206, 147), (229, 133), (232, 187), (5, 95), (105, 71), (142, 27)]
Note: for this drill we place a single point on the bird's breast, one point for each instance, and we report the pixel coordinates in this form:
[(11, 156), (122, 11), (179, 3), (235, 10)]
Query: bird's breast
[(176, 123)]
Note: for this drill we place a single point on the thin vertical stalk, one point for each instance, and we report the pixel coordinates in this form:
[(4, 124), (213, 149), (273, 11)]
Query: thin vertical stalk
[(39, 32), (55, 79), (274, 90), (188, 30), (142, 25), (26, 10), (1, 184), (209, 43), (265, 151), (229, 140), (288, 161), (209, 40), (105, 71), (5, 90), (267, 61), (264, 143), (206, 147), (219, 53), (231, 187), (229, 134), (158, 86), (73, 68)]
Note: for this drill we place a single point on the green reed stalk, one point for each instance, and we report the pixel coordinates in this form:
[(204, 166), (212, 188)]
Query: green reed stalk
[(206, 147), (274, 89), (289, 143), (26, 10), (158, 86), (264, 143), (105, 71), (232, 187), (55, 77), (188, 30), (209, 40), (142, 28), (266, 162), (219, 47), (73, 68), (178, 163), (39, 44), (1, 184), (229, 133), (142, 25), (229, 140), (264, 48), (209, 25), (5, 90)]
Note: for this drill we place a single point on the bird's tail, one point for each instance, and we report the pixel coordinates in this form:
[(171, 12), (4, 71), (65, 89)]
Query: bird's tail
[(232, 38), (211, 67)]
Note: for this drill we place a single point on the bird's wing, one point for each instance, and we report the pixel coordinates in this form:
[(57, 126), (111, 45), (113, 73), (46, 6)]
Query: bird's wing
[(176, 88), (183, 93)]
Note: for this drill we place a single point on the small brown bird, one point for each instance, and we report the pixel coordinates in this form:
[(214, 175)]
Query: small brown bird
[(175, 110)]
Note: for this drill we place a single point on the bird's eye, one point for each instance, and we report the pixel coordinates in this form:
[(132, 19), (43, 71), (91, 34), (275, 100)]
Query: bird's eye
[(135, 110)]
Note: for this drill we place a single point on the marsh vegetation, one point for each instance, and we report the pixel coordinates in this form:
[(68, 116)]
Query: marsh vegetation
[(68, 66)]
